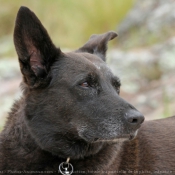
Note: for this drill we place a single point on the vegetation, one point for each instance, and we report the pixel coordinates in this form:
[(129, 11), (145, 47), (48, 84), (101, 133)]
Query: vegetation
[(69, 22)]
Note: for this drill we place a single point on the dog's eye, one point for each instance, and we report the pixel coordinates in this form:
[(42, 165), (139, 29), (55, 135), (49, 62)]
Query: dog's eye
[(84, 84)]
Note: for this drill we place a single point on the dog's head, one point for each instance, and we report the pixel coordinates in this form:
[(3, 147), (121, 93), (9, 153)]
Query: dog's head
[(72, 99)]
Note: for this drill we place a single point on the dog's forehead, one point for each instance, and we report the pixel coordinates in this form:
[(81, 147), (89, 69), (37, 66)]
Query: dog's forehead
[(88, 61)]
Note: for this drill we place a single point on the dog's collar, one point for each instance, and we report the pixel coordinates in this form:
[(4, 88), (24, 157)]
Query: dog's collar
[(66, 168)]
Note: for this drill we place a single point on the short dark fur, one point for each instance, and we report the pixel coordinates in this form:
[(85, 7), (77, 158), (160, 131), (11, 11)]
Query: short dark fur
[(71, 108)]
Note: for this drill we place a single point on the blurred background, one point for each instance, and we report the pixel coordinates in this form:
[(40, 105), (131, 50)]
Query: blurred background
[(143, 55)]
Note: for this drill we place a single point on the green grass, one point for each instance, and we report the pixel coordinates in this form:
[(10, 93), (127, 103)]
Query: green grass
[(69, 22)]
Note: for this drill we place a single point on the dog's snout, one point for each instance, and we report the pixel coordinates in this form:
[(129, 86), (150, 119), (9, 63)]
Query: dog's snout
[(134, 118)]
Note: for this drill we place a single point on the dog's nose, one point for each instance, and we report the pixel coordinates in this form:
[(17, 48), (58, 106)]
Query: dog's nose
[(134, 118)]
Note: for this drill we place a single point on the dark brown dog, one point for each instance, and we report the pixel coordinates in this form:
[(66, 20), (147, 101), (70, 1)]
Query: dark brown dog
[(71, 108)]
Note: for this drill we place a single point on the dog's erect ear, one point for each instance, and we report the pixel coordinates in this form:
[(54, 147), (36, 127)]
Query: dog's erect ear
[(97, 44), (34, 47)]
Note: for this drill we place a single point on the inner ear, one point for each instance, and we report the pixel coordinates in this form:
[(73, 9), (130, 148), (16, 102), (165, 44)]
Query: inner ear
[(97, 44), (37, 65)]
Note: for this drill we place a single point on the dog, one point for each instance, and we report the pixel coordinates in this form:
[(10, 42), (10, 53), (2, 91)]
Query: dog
[(71, 119)]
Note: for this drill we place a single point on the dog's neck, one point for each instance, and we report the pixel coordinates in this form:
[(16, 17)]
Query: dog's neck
[(21, 146)]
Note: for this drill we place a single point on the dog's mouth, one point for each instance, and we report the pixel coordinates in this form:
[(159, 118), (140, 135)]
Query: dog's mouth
[(122, 138), (110, 140), (133, 135), (93, 136)]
